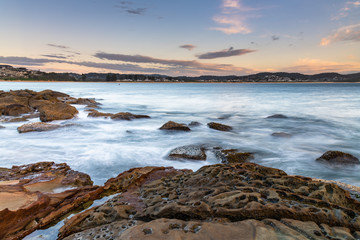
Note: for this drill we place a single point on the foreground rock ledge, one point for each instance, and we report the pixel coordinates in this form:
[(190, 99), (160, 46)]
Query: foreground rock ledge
[(33, 196), (218, 202)]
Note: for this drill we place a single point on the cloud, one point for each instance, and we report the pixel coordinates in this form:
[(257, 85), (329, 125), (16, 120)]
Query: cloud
[(127, 7), (313, 66), (57, 46), (275, 38), (188, 46), (344, 12), (233, 16), (54, 56), (167, 63), (136, 11), (347, 33), (136, 64), (225, 53)]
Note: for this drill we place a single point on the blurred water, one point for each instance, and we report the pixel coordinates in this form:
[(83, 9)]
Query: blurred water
[(321, 117)]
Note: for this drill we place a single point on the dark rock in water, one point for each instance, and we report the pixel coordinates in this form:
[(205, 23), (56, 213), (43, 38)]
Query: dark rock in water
[(219, 127), (92, 106), (246, 201), (193, 152), (281, 134), (233, 156), (277, 116), (127, 116), (33, 196), (337, 157), (57, 111), (37, 127), (23, 118), (175, 126), (194, 124), (1, 127)]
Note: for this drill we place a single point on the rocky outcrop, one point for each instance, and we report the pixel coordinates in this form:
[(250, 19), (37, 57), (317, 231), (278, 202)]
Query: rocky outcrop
[(50, 104), (57, 111), (192, 152), (117, 116), (33, 196), (219, 126), (281, 135), (174, 126), (37, 127), (235, 200), (277, 116), (337, 157)]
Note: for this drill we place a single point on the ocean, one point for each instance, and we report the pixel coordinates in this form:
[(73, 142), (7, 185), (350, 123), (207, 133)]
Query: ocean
[(321, 117)]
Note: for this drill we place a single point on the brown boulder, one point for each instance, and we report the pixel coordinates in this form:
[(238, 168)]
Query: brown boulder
[(33, 196), (337, 157), (8, 99), (219, 127), (15, 109), (175, 126), (37, 127), (57, 111)]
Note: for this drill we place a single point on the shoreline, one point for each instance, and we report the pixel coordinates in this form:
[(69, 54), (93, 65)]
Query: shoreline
[(35, 81)]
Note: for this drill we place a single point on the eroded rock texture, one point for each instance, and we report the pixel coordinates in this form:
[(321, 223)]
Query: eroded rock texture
[(220, 202), (33, 196)]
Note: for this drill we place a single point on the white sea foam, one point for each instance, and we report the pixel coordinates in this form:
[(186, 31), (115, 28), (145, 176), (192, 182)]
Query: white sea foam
[(321, 117)]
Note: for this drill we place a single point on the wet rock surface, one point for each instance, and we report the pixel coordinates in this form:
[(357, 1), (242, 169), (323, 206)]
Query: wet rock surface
[(57, 111), (33, 196), (231, 200), (219, 126), (192, 152), (174, 126), (37, 127), (338, 158), (233, 156)]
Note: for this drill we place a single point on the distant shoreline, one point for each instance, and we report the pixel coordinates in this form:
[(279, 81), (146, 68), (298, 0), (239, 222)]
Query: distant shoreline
[(34, 81)]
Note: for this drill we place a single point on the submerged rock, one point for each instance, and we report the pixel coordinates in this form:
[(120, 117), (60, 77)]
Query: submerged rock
[(219, 126), (1, 127), (115, 116), (33, 196), (194, 124), (193, 152), (219, 202), (281, 134), (337, 157), (37, 127), (127, 116), (170, 125), (277, 116)]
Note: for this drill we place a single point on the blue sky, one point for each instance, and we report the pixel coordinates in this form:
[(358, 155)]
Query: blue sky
[(188, 37)]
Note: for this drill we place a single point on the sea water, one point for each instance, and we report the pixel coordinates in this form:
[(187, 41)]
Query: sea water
[(321, 117)]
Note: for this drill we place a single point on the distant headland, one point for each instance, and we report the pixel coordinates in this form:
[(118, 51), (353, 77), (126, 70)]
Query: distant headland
[(8, 72)]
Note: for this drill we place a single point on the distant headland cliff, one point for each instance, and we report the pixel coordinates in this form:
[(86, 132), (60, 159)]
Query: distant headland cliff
[(8, 72)]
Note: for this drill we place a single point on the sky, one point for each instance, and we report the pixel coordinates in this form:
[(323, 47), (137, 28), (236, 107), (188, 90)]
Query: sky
[(177, 38)]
